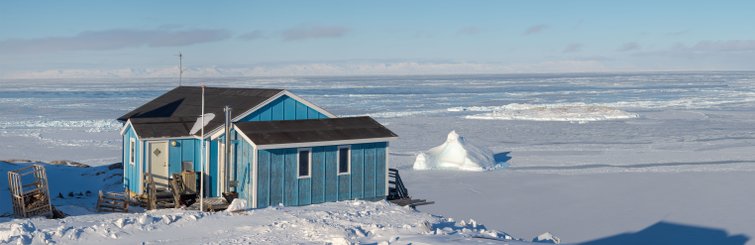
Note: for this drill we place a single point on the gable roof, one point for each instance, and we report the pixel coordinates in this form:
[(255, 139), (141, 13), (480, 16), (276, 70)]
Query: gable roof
[(174, 113), (186, 102), (165, 128), (314, 130)]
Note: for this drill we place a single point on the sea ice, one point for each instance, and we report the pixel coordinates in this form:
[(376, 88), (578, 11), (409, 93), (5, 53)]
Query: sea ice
[(457, 154), (569, 112)]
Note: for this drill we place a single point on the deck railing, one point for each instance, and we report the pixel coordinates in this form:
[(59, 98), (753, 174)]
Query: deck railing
[(396, 188)]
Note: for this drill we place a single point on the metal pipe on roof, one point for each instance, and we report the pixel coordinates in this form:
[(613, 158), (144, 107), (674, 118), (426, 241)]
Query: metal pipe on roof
[(226, 159)]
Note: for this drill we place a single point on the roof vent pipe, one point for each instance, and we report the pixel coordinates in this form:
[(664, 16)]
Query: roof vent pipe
[(227, 162)]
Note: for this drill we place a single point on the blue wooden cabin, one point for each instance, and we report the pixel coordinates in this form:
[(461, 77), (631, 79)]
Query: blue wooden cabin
[(282, 148)]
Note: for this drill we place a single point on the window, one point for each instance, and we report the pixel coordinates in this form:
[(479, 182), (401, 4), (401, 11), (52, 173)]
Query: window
[(344, 160), (304, 163), (132, 151)]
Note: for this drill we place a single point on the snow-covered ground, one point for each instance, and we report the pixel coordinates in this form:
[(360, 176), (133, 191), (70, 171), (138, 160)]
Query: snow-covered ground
[(590, 156), (345, 222)]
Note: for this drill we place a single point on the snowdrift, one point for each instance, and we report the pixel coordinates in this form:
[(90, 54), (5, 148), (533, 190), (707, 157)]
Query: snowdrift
[(456, 154)]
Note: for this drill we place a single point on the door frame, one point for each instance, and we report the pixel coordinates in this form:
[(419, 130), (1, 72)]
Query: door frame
[(167, 156)]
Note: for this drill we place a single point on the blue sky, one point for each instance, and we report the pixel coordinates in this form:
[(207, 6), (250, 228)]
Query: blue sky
[(297, 37)]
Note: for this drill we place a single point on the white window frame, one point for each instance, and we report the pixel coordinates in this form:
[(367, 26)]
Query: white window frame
[(348, 158), (132, 151), (309, 161)]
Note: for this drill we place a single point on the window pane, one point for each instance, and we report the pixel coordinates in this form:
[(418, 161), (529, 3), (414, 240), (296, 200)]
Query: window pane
[(131, 151), (303, 163), (343, 160)]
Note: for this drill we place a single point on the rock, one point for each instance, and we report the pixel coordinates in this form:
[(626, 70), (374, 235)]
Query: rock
[(118, 165), (68, 163), (15, 161)]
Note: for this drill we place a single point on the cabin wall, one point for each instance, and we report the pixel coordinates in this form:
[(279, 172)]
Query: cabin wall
[(185, 150), (132, 173), (283, 108), (212, 185), (278, 182), (241, 166)]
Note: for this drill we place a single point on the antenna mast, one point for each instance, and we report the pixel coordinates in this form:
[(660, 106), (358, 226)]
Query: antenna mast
[(180, 68)]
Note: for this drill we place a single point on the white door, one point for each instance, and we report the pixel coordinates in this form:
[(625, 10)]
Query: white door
[(158, 162)]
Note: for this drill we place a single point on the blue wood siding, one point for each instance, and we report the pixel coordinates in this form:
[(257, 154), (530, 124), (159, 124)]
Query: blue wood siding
[(283, 108), (276, 177), (331, 174), (357, 171), (187, 150), (132, 173), (212, 185), (278, 181), (380, 168), (290, 176), (369, 171), (264, 175), (317, 192), (241, 166)]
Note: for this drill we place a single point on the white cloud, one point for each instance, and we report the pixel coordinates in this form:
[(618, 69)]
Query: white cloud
[(629, 46), (535, 29), (256, 34), (326, 69), (314, 32), (469, 30), (722, 46), (114, 39), (573, 48)]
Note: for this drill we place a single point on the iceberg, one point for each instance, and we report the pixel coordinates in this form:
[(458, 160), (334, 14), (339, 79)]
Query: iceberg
[(456, 154)]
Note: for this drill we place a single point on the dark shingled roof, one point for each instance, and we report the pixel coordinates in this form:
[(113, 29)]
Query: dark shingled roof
[(168, 127), (314, 130), (174, 113)]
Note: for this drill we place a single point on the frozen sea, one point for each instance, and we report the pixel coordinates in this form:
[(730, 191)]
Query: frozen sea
[(589, 155)]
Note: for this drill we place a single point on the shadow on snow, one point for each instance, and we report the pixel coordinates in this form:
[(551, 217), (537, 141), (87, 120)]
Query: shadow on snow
[(670, 233)]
